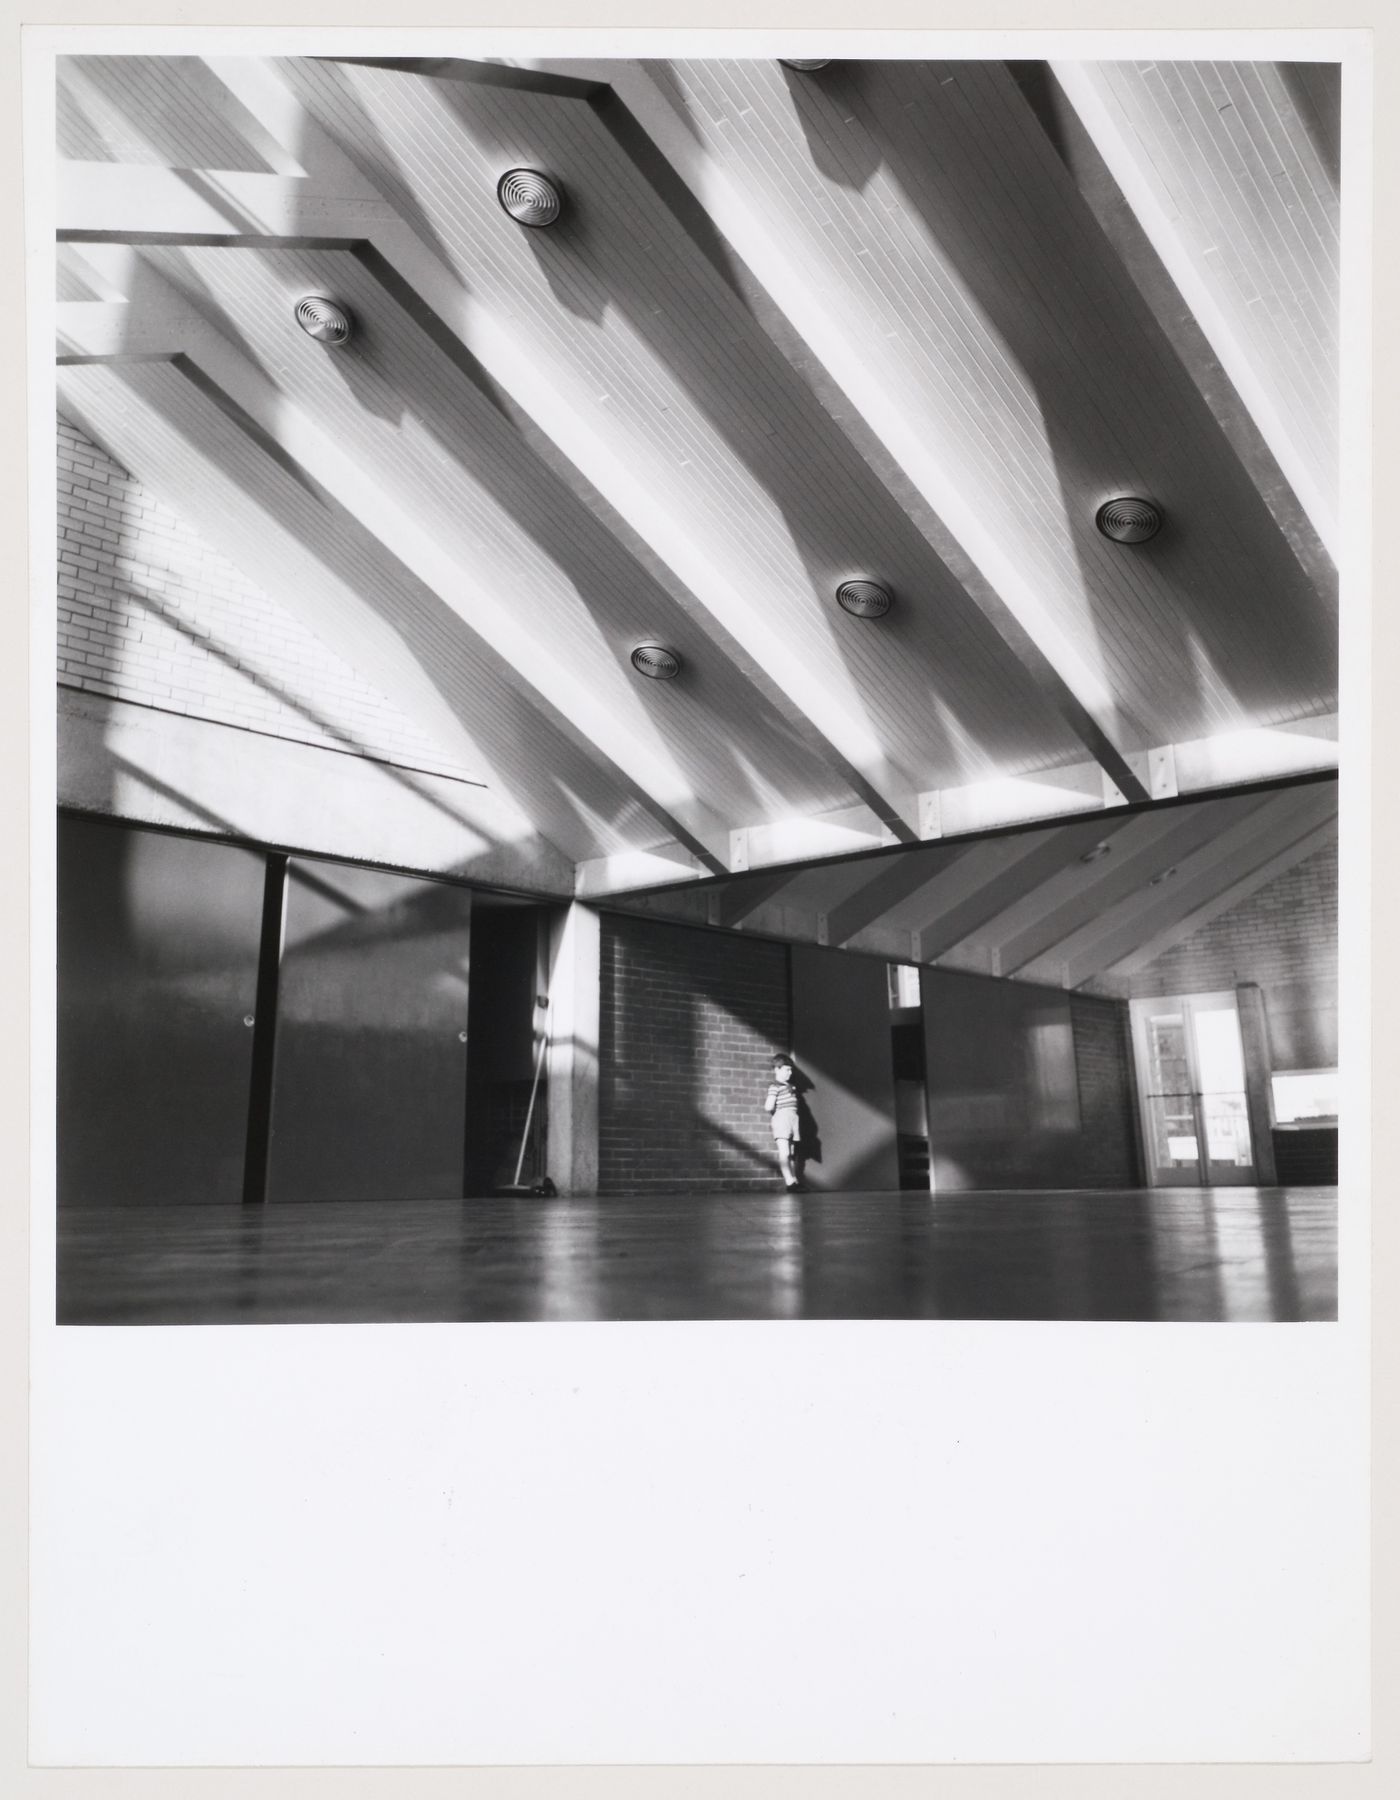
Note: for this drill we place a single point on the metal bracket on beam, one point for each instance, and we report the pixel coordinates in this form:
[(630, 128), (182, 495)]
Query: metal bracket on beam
[(931, 814), (1161, 772)]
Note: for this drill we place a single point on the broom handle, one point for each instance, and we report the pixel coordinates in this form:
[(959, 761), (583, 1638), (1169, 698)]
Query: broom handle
[(530, 1109)]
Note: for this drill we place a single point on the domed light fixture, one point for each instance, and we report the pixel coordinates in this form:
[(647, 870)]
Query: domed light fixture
[(864, 599), (1165, 875), (1099, 849), (1129, 519), (325, 320), (655, 661), (805, 65), (530, 198)]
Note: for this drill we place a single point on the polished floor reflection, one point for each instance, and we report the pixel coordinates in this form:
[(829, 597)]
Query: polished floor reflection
[(1168, 1254)]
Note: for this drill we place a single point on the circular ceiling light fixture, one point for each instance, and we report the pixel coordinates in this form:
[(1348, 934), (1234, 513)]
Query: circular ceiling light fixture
[(1165, 875), (530, 198), (325, 320), (1101, 849), (805, 65), (864, 599), (655, 661), (1129, 519)]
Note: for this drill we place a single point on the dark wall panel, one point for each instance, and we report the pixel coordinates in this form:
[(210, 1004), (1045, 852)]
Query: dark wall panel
[(1003, 1091), (157, 971), (841, 1042), (370, 1086)]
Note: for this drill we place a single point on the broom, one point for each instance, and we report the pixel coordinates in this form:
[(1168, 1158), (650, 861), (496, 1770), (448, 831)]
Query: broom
[(544, 1188)]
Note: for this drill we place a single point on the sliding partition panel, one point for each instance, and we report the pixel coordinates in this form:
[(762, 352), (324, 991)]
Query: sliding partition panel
[(843, 1044), (1003, 1090), (157, 982), (369, 1089)]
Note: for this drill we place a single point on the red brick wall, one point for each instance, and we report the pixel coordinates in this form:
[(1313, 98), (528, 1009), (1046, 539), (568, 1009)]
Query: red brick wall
[(147, 612), (1103, 1062), (1284, 937), (690, 1021)]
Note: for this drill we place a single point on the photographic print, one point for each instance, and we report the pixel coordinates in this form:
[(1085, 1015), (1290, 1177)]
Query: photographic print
[(700, 956), (696, 688)]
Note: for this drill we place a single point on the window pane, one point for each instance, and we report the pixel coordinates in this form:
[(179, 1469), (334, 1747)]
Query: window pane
[(1218, 1051), (1307, 1097)]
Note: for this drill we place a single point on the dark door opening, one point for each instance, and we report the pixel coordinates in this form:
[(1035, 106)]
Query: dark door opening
[(507, 1028)]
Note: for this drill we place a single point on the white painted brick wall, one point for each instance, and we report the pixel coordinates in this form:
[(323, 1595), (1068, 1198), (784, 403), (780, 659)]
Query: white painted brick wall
[(147, 613)]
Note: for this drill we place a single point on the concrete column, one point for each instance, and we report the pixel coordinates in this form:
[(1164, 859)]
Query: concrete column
[(1258, 1082), (574, 947)]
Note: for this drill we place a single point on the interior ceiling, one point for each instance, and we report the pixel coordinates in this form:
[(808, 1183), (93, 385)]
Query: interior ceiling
[(1091, 901), (908, 320)]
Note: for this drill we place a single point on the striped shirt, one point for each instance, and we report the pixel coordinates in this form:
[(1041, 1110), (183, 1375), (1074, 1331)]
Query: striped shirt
[(782, 1098)]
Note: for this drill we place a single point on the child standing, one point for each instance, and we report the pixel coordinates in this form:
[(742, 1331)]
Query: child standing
[(781, 1102)]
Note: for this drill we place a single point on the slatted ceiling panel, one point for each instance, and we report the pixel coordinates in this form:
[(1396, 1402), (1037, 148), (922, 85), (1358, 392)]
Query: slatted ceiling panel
[(959, 873), (1140, 845), (171, 111), (1240, 846), (173, 440), (823, 889), (1108, 380), (837, 204), (448, 457), (1211, 844), (1256, 205), (1023, 320), (652, 346), (712, 342), (1029, 930), (1278, 264), (1316, 91)]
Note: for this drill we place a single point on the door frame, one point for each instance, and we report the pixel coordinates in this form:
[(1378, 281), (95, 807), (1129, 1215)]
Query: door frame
[(1240, 1175)]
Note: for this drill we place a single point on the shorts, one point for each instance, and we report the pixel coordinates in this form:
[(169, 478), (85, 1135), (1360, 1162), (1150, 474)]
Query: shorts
[(787, 1125)]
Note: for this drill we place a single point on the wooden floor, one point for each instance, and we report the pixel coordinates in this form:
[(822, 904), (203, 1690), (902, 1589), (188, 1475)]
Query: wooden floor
[(1170, 1254)]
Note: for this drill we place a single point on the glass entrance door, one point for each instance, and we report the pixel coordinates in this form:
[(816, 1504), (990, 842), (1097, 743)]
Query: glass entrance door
[(1190, 1068)]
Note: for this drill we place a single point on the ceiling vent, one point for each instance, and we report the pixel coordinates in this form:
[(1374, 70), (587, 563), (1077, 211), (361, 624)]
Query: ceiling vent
[(805, 65), (864, 599), (656, 662), (1128, 520), (530, 198), (325, 320)]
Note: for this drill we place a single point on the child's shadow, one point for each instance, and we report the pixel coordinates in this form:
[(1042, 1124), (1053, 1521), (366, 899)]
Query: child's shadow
[(810, 1141)]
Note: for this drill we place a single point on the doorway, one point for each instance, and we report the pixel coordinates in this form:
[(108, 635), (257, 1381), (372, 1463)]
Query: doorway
[(1191, 1084), (507, 1032)]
